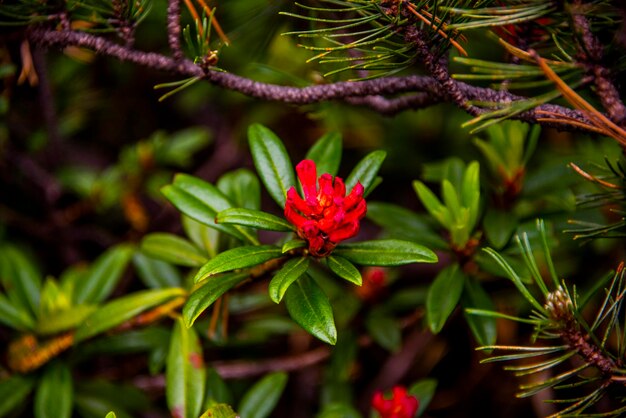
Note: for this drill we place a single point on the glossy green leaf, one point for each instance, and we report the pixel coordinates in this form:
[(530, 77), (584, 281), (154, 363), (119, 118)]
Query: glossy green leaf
[(326, 152), (219, 410), (293, 244), (499, 227), (272, 162), (58, 321), (238, 258), (103, 275), (185, 374), (202, 201), (123, 309), (156, 274), (344, 269), (253, 219), (55, 393), (20, 278), (386, 252), (201, 235), (262, 397), (483, 327), (423, 390), (289, 273), (432, 204), (405, 224), (366, 170), (173, 249), (443, 296), (385, 330), (13, 392), (242, 187), (309, 306), (209, 291), (13, 316), (217, 391)]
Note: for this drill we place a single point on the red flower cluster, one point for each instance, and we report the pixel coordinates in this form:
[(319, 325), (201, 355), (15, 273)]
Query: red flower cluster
[(401, 404), (326, 216)]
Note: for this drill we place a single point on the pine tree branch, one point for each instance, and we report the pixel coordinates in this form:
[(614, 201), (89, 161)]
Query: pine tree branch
[(453, 91), (173, 28), (591, 54)]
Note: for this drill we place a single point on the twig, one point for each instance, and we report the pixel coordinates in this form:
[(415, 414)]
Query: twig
[(173, 28)]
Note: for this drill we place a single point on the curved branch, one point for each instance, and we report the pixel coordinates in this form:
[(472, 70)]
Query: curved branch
[(355, 92)]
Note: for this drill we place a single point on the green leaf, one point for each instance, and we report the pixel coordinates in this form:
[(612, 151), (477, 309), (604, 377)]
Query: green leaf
[(272, 162), (156, 274), (185, 374), (242, 187), (443, 296), (220, 410), (289, 273), (13, 392), (499, 226), (344, 269), (123, 309), (202, 201), (238, 258), (54, 396), (292, 245), (310, 308), (201, 235), (13, 316), (103, 275), (423, 390), (326, 152), (253, 219), (384, 330), (110, 414), (432, 204), (405, 224), (20, 278), (57, 321), (173, 249), (483, 327), (208, 293), (385, 252), (338, 410), (217, 391), (366, 170), (262, 397)]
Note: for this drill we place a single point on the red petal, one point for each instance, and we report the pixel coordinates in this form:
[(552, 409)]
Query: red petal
[(307, 173), (355, 196), (294, 217), (294, 199), (325, 194), (345, 231)]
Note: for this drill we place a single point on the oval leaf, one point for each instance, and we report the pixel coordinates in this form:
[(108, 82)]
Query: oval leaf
[(384, 330), (173, 249), (309, 307), (156, 274), (344, 269), (386, 252), (14, 317), (185, 374), (237, 258), (443, 296), (57, 321), (122, 309), (326, 152), (262, 397), (242, 187), (103, 275), (20, 278), (253, 219), (423, 390), (292, 245), (289, 273), (208, 293), (54, 396), (366, 170), (271, 162)]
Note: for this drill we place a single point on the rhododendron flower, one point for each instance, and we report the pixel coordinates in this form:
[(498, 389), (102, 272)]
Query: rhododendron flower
[(401, 404), (326, 216)]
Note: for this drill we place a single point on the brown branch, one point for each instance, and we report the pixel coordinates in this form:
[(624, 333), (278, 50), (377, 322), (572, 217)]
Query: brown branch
[(452, 91), (591, 53), (173, 28)]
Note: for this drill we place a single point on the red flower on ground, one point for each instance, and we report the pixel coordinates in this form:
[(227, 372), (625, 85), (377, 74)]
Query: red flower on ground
[(401, 404), (326, 216)]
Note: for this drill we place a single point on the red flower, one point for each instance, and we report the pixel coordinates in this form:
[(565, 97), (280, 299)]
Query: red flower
[(326, 216), (401, 404)]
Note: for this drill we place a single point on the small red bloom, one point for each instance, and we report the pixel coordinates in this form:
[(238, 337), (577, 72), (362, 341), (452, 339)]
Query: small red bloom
[(401, 404), (326, 216)]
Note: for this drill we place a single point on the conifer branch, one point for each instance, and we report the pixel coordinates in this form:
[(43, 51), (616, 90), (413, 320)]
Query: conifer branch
[(173, 28)]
